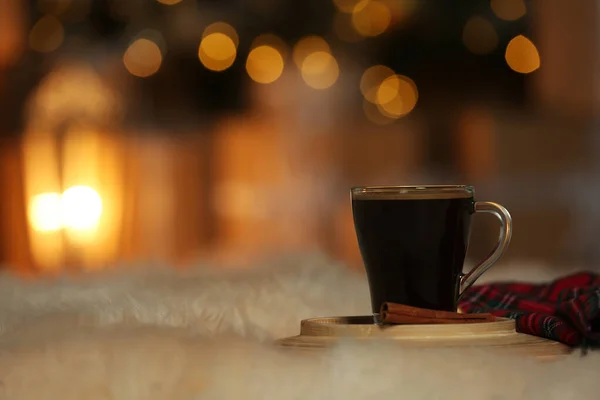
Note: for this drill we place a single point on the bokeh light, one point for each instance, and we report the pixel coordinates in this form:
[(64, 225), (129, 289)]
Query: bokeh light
[(508, 10), (81, 208), (371, 17), (387, 96), (225, 28), (308, 45), (45, 212), (78, 208), (143, 58), (521, 55), (372, 79), (47, 34), (217, 51), (320, 70), (479, 36), (388, 90), (312, 55), (264, 64), (397, 96)]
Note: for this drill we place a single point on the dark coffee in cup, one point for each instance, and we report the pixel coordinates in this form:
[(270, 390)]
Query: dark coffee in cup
[(414, 239)]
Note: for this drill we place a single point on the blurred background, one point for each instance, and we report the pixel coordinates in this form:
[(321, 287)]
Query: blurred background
[(175, 131)]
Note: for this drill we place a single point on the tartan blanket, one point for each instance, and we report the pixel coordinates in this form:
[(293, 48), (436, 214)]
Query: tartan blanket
[(565, 310)]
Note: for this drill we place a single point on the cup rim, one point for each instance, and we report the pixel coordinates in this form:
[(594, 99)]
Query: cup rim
[(414, 191)]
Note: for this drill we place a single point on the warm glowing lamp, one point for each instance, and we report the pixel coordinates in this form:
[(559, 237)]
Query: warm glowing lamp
[(72, 168)]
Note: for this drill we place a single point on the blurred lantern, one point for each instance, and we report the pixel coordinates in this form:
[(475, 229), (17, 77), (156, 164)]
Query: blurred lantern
[(72, 170)]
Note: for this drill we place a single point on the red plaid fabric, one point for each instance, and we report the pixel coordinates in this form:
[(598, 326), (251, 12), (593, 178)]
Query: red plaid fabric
[(566, 310)]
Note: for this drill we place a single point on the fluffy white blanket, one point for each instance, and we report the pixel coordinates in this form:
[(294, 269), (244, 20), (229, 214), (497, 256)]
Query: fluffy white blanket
[(205, 333)]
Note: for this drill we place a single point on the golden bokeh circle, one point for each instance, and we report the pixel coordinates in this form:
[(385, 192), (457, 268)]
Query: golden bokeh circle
[(371, 18), (371, 80), (264, 64), (320, 70), (142, 58), (397, 96), (521, 55), (217, 51)]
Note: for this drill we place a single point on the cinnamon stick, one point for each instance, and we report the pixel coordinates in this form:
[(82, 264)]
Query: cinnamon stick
[(393, 313)]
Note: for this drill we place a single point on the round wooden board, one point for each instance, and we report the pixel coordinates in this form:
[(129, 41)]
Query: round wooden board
[(319, 333)]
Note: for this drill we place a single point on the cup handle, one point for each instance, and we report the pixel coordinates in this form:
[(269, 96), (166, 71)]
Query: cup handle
[(467, 280)]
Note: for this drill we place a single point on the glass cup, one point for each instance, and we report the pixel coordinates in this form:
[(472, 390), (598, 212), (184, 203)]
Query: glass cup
[(413, 241)]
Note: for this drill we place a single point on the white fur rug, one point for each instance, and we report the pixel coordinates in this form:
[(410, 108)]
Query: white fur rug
[(205, 333)]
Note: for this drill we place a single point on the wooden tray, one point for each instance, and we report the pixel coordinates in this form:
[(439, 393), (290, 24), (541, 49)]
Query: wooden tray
[(318, 333)]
